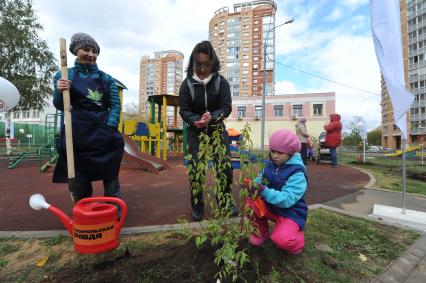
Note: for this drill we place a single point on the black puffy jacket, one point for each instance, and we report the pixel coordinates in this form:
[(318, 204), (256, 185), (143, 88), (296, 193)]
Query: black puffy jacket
[(218, 104)]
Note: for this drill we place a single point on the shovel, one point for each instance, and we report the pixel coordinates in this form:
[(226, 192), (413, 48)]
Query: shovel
[(67, 116)]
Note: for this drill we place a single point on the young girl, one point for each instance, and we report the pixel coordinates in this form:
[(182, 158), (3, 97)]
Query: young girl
[(281, 188)]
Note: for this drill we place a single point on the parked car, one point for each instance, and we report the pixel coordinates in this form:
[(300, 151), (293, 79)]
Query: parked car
[(375, 148)]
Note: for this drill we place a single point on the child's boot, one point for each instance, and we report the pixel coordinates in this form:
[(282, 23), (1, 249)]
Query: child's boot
[(258, 241)]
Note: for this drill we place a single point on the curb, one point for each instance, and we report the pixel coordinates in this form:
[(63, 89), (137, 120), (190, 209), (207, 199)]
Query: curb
[(402, 268), (124, 231), (191, 225), (372, 181)]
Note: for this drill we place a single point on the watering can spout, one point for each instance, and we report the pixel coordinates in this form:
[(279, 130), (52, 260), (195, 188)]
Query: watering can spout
[(38, 202)]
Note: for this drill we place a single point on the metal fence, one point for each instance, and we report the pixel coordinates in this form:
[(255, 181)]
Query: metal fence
[(27, 134)]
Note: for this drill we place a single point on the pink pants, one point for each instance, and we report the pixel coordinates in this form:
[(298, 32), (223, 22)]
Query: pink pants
[(286, 234)]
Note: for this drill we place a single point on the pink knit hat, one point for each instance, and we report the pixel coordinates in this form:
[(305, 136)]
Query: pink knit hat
[(284, 141)]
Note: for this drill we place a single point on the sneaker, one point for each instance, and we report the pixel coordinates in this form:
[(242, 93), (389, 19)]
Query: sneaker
[(197, 215), (258, 241)]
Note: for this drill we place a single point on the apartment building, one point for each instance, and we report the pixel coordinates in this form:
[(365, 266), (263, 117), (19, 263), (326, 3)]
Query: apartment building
[(32, 116), (162, 74), (238, 36), (413, 30), (416, 45), (282, 111)]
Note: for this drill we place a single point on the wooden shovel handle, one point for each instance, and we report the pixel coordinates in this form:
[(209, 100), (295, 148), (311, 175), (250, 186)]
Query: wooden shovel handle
[(67, 111)]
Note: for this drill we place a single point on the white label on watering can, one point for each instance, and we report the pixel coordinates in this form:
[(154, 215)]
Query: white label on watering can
[(94, 234)]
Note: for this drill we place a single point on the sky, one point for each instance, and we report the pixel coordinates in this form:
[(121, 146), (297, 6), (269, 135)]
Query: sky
[(328, 38)]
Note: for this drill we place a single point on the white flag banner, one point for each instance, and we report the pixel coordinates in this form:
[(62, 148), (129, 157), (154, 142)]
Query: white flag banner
[(386, 31)]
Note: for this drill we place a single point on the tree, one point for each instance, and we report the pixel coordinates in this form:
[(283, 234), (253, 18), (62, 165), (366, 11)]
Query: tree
[(25, 59), (131, 109), (353, 137), (374, 137)]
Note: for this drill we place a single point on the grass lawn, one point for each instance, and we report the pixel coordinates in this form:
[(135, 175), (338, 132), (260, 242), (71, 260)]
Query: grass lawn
[(388, 172), (360, 249)]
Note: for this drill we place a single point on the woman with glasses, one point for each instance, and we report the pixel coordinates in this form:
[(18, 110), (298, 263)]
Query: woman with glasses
[(205, 101)]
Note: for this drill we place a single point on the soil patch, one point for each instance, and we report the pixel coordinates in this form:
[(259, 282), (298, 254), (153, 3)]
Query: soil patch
[(418, 176)]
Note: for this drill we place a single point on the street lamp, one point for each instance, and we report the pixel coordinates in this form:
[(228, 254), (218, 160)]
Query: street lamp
[(262, 127)]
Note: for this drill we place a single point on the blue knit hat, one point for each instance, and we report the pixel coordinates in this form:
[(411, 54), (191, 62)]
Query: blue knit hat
[(80, 40)]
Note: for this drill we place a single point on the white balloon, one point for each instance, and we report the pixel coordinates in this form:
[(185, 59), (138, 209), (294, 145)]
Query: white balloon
[(9, 95)]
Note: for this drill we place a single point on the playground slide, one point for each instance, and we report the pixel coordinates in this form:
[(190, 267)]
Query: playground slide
[(409, 149), (146, 161)]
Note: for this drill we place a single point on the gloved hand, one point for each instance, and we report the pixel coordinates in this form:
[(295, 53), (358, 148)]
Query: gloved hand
[(252, 188), (257, 189)]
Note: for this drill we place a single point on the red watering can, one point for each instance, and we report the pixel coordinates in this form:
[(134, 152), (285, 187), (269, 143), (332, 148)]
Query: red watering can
[(95, 227)]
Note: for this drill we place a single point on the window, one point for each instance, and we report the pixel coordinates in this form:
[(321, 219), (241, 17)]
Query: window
[(16, 115), (278, 110), (25, 114), (317, 109), (258, 111), (297, 110), (241, 111)]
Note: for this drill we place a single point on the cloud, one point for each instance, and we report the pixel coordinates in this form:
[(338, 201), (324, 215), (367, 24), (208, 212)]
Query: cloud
[(352, 4), (351, 60), (335, 15), (285, 87)]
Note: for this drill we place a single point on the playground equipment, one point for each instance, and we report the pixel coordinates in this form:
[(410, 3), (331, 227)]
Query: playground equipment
[(47, 153), (44, 149), (96, 226), (176, 132), (147, 134), (412, 148), (147, 161), (149, 137), (235, 139)]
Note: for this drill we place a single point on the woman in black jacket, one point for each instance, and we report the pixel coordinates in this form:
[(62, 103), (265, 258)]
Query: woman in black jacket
[(205, 101)]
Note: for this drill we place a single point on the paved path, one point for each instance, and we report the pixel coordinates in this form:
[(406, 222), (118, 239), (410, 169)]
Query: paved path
[(152, 199)]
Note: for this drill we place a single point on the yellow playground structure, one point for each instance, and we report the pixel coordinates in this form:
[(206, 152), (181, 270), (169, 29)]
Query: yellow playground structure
[(412, 148), (152, 135)]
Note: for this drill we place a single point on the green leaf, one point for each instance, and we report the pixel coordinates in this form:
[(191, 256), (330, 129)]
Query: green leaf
[(199, 240)]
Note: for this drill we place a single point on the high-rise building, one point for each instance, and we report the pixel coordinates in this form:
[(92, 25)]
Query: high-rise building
[(159, 75), (416, 45), (413, 30), (238, 37)]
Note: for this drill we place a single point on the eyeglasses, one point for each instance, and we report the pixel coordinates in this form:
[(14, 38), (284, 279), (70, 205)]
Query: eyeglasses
[(204, 66)]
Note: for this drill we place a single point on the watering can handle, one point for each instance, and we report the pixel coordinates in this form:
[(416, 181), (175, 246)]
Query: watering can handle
[(118, 201)]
